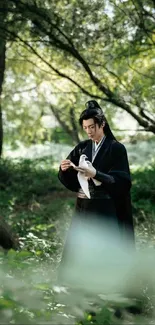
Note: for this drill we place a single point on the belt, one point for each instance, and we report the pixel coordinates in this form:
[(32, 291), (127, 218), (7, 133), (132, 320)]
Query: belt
[(94, 196)]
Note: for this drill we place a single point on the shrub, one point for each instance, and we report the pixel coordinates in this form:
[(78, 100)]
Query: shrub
[(143, 193)]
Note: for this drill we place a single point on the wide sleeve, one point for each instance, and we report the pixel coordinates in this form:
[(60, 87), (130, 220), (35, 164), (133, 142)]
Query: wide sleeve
[(69, 177), (117, 181)]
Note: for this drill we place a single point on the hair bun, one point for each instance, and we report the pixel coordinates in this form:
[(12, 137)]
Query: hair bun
[(92, 104)]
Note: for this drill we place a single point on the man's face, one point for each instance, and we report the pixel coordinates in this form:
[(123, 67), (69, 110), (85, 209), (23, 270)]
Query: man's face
[(93, 131)]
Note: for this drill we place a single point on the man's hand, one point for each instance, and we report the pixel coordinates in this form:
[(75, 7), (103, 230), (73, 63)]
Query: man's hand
[(88, 171), (65, 164)]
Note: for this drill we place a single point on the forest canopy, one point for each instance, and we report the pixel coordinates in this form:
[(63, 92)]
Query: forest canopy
[(57, 55)]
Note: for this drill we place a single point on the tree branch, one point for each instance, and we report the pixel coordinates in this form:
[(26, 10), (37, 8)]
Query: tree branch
[(140, 73), (111, 98), (61, 74), (143, 114), (57, 42)]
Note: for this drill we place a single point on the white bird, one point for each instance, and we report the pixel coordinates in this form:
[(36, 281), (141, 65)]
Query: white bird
[(81, 177), (83, 180)]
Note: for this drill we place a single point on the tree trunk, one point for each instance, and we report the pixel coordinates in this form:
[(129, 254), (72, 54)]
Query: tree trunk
[(2, 69), (74, 126), (3, 13), (73, 133)]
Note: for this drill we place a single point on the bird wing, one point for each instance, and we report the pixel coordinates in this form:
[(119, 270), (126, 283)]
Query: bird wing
[(97, 183), (84, 184), (81, 178)]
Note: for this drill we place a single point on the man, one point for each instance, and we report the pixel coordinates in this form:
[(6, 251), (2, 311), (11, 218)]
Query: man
[(107, 212), (109, 165)]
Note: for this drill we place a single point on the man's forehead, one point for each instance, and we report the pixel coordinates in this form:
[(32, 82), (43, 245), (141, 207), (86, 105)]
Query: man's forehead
[(88, 122)]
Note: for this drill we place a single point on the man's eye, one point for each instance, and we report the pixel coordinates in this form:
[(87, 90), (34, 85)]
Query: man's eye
[(89, 127)]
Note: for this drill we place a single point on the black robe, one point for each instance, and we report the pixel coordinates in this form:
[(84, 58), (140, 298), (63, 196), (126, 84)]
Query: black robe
[(111, 160)]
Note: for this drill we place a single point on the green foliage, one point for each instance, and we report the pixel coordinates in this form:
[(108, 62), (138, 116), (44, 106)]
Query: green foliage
[(19, 179), (39, 210), (89, 41), (143, 193), (29, 198), (67, 52)]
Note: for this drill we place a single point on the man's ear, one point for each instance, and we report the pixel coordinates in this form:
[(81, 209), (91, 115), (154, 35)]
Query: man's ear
[(103, 124)]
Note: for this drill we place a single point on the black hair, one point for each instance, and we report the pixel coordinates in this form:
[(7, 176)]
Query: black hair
[(94, 111)]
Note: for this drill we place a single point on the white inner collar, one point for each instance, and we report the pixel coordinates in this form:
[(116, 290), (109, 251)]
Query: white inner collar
[(96, 145)]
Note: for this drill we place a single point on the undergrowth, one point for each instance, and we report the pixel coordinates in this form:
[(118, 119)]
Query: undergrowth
[(39, 210)]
